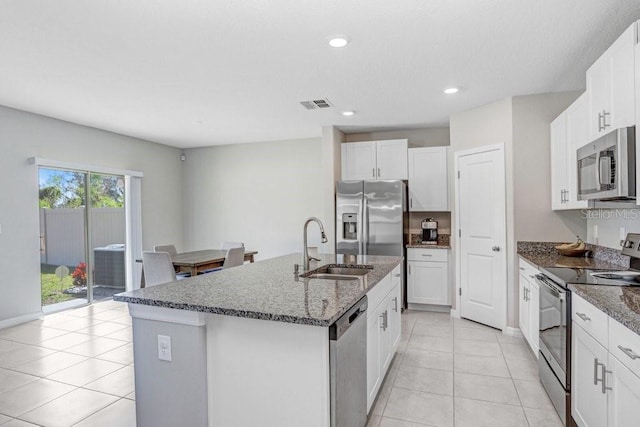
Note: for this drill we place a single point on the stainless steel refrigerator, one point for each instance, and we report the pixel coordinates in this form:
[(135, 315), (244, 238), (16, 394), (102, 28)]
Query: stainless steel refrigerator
[(371, 219)]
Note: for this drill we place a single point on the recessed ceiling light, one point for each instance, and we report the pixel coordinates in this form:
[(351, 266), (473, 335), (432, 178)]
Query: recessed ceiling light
[(338, 41), (348, 113), (451, 90)]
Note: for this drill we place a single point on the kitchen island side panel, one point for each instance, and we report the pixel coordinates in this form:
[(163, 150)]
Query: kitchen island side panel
[(257, 368)]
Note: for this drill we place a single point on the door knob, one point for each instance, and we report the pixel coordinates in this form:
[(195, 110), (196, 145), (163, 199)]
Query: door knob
[(496, 249)]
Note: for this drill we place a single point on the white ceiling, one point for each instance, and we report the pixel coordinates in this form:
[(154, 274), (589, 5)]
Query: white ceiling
[(191, 73)]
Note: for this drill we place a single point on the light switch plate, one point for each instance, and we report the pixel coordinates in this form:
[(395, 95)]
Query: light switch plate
[(164, 348)]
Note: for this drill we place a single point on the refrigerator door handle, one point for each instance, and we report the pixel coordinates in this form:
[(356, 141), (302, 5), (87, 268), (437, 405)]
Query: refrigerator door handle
[(365, 226), (360, 226)]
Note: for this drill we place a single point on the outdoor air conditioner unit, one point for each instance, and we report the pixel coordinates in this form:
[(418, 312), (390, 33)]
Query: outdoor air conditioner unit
[(109, 267)]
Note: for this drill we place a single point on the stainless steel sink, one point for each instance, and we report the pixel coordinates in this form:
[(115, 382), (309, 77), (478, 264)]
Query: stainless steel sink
[(330, 276), (337, 272)]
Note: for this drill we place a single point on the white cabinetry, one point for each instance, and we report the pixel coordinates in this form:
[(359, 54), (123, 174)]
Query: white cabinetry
[(428, 276), (605, 369), (428, 181), (372, 160), (568, 133), (383, 330), (529, 305), (610, 86)]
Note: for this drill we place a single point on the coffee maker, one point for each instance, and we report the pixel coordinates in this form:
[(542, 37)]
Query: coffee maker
[(429, 231)]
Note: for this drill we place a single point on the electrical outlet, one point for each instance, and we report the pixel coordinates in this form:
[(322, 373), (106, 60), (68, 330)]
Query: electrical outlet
[(164, 348)]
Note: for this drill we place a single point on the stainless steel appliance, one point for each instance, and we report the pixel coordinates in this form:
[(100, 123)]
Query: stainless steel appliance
[(348, 367), (607, 167), (429, 231), (371, 218), (554, 363)]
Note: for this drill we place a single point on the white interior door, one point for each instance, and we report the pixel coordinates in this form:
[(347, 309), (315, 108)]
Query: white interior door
[(481, 218)]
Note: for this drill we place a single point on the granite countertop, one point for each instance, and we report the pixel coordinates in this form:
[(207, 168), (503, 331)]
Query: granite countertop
[(415, 241), (621, 303), (267, 290), (544, 254)]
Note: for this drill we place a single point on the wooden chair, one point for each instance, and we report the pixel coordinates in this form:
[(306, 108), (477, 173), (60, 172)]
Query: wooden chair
[(158, 268)]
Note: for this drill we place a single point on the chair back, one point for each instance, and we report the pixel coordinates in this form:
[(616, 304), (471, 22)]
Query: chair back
[(234, 257), (228, 245), (170, 249), (158, 268)]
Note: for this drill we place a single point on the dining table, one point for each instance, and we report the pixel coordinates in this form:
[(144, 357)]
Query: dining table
[(196, 262)]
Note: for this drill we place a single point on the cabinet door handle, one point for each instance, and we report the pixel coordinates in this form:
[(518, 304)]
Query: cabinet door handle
[(604, 119), (629, 352), (411, 202), (409, 268), (595, 371), (522, 268), (427, 255), (583, 317), (384, 318), (379, 173), (604, 379), (395, 304), (600, 122), (373, 172), (566, 196)]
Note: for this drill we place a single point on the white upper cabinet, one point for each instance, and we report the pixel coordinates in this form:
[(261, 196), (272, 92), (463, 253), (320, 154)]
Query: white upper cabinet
[(568, 133), (392, 159), (611, 86), (375, 160), (359, 160), (428, 179)]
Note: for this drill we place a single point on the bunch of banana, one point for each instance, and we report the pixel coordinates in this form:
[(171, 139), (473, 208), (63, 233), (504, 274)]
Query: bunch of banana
[(577, 245)]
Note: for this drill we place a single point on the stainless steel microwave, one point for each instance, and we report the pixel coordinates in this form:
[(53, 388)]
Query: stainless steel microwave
[(607, 167)]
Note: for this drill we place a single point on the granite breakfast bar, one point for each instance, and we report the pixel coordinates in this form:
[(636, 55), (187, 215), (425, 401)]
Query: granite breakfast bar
[(248, 345)]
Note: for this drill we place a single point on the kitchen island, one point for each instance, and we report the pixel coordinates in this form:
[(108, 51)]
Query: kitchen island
[(250, 345)]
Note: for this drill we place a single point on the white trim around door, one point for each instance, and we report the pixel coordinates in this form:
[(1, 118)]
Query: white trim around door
[(480, 221)]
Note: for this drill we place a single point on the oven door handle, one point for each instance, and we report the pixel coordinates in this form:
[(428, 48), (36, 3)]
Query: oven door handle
[(543, 281)]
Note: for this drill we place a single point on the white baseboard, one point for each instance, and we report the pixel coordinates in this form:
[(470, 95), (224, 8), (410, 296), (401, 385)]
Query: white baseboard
[(512, 332), (7, 323), (455, 313)]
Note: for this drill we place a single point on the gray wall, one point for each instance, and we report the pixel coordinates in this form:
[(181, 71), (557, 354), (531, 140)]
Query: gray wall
[(426, 137), (534, 219), (259, 194), (24, 135)]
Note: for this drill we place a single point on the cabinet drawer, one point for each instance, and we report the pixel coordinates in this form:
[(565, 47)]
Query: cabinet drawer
[(396, 276), (591, 319), (620, 337), (527, 269), (419, 254), (376, 295)]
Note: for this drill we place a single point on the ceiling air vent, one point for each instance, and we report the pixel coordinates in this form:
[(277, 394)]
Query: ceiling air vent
[(315, 104)]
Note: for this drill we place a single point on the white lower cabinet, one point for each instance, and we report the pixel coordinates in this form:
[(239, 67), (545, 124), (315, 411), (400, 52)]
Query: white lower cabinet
[(383, 331), (529, 305), (428, 276), (588, 403), (605, 386)]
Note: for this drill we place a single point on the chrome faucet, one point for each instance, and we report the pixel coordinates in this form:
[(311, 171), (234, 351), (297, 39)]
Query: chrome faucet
[(306, 256)]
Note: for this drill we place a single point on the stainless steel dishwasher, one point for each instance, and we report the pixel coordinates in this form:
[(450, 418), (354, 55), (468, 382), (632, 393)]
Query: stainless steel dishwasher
[(348, 365)]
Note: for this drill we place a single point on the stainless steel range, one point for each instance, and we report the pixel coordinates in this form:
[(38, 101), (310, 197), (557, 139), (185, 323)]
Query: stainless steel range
[(554, 362)]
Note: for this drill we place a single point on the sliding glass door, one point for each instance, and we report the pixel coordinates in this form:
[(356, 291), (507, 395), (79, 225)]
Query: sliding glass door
[(82, 236)]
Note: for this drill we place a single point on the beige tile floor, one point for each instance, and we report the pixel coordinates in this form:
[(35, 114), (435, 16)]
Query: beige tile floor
[(453, 372), (76, 369), (73, 368)]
